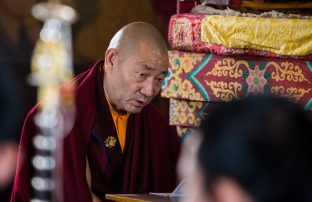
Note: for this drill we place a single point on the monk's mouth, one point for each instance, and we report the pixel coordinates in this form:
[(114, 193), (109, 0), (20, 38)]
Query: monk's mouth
[(139, 103)]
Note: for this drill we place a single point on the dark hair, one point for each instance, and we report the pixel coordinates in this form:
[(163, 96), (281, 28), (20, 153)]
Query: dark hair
[(264, 144)]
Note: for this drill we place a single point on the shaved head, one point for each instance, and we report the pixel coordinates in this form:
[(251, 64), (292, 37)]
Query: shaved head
[(136, 63), (135, 35)]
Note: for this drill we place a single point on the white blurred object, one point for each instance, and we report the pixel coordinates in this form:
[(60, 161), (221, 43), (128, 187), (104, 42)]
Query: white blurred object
[(52, 72)]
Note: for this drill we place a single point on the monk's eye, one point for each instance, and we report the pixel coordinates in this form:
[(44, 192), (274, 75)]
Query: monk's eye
[(141, 76)]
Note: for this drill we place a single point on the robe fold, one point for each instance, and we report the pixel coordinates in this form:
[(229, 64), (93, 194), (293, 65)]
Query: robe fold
[(147, 163)]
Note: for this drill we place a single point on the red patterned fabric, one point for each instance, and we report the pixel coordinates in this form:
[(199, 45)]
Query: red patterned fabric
[(213, 78), (185, 34)]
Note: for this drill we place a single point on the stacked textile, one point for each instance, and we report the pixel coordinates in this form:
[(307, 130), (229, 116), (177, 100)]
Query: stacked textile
[(218, 58)]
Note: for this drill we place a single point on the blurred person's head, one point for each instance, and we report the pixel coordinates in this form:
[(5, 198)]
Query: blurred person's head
[(254, 150)]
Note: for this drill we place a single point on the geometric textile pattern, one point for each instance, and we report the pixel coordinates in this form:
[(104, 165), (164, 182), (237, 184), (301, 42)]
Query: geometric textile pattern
[(186, 113), (189, 113), (209, 77)]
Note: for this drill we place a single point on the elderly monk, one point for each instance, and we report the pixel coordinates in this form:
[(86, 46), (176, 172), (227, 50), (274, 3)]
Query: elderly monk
[(119, 143)]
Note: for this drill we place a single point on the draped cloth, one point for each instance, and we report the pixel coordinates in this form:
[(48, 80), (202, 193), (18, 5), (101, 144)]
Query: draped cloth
[(146, 165), (280, 36)]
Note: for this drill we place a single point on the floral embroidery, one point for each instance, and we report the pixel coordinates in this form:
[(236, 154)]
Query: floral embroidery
[(198, 77), (256, 80), (182, 35)]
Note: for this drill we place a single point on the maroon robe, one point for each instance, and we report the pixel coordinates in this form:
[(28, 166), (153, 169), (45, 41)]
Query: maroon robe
[(146, 165)]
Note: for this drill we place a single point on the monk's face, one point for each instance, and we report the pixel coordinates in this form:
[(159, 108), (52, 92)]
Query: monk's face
[(134, 79)]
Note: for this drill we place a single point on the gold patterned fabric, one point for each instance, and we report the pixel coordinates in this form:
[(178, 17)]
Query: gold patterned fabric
[(186, 112), (213, 78), (199, 82), (280, 36)]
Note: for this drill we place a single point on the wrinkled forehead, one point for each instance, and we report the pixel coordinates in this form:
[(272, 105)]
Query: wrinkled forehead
[(151, 55), (154, 59)]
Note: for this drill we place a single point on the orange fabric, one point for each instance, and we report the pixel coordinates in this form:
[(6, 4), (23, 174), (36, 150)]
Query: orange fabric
[(120, 121)]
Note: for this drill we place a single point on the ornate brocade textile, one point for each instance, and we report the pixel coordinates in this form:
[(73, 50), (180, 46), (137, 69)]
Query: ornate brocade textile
[(277, 35), (214, 61), (208, 77), (198, 80), (185, 32)]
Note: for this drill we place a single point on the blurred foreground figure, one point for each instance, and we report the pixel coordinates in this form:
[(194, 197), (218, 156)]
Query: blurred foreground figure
[(254, 150)]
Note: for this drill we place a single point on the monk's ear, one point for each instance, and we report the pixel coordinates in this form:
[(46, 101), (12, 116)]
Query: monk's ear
[(110, 60)]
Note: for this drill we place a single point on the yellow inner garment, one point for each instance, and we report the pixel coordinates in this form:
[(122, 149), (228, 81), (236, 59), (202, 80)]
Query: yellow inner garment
[(280, 36), (120, 121)]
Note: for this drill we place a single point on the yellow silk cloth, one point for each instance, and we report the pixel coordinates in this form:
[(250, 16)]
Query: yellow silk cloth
[(120, 121), (280, 36)]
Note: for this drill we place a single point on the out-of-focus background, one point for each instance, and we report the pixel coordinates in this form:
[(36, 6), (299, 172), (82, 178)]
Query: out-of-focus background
[(97, 23)]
